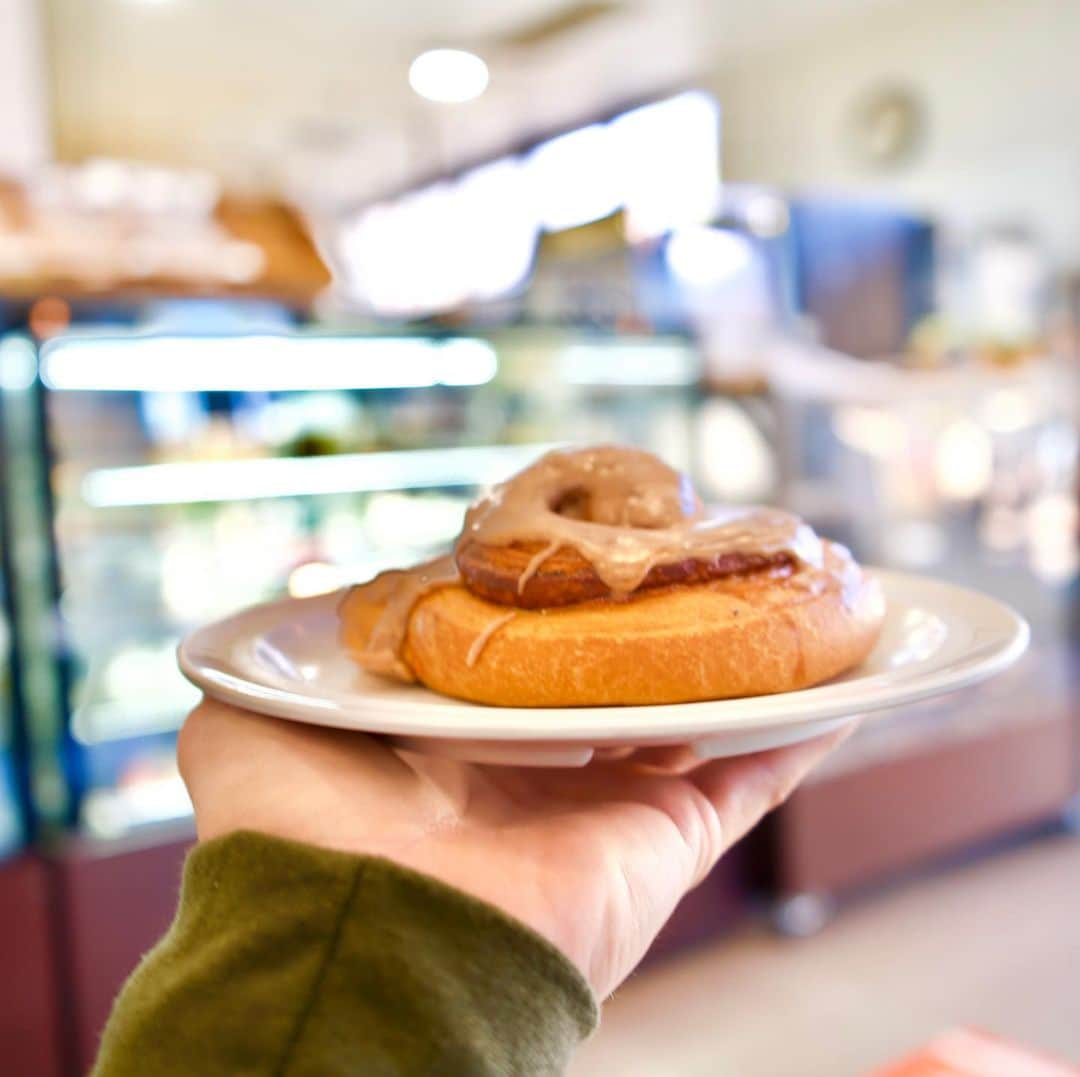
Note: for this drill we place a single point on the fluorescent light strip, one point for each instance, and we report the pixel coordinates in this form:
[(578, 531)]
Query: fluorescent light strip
[(264, 363), (629, 365), (250, 480)]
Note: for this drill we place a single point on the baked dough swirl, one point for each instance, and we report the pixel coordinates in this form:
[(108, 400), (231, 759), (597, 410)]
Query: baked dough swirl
[(597, 577)]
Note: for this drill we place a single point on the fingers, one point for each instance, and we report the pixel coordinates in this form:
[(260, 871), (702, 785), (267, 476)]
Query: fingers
[(741, 790), (744, 789), (666, 759), (671, 759), (608, 755)]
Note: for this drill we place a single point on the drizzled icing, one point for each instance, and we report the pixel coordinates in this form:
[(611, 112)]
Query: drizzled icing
[(398, 591), (534, 564), (625, 512), (476, 648), (622, 510)]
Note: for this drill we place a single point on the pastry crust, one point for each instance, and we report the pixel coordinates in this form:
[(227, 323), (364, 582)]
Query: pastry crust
[(753, 634)]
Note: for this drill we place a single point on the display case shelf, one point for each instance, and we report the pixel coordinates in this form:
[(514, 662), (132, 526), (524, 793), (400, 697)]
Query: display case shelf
[(192, 482)]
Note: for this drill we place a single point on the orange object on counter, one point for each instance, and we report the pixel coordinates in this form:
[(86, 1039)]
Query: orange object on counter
[(967, 1052)]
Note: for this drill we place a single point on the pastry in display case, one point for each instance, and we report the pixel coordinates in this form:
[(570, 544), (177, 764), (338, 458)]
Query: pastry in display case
[(172, 479)]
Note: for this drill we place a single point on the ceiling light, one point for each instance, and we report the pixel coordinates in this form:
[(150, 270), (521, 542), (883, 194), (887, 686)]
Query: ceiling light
[(767, 216), (963, 460), (448, 75), (668, 163), (576, 178), (702, 257)]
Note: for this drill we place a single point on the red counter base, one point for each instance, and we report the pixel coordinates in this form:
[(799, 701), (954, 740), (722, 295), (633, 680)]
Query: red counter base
[(30, 1024), (862, 826), (114, 901)]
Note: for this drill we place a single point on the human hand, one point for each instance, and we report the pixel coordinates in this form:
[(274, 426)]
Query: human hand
[(595, 859)]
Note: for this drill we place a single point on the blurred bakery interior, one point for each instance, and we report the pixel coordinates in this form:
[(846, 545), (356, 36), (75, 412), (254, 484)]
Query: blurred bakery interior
[(282, 286)]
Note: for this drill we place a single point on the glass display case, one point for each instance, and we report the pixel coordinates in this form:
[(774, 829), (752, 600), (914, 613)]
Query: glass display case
[(12, 789), (15, 816), (159, 481), (969, 473)]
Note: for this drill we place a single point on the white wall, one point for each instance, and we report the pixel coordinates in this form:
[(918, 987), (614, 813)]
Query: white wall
[(24, 139), (1000, 83)]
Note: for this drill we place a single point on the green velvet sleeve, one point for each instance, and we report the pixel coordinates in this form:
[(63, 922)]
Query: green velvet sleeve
[(290, 960)]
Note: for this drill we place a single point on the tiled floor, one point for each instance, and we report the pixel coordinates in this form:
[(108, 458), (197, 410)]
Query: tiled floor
[(994, 944)]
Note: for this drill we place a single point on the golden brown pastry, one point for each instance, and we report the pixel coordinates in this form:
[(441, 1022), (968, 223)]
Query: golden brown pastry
[(596, 577)]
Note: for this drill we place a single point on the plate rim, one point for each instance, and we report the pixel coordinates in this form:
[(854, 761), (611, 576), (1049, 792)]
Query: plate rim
[(659, 723)]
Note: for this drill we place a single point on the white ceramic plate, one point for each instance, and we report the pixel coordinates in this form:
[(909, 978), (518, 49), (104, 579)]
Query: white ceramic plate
[(283, 658)]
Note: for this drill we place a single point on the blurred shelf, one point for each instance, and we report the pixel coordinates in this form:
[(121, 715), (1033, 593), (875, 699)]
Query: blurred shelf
[(288, 267), (114, 812), (191, 482), (628, 363), (122, 719)]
